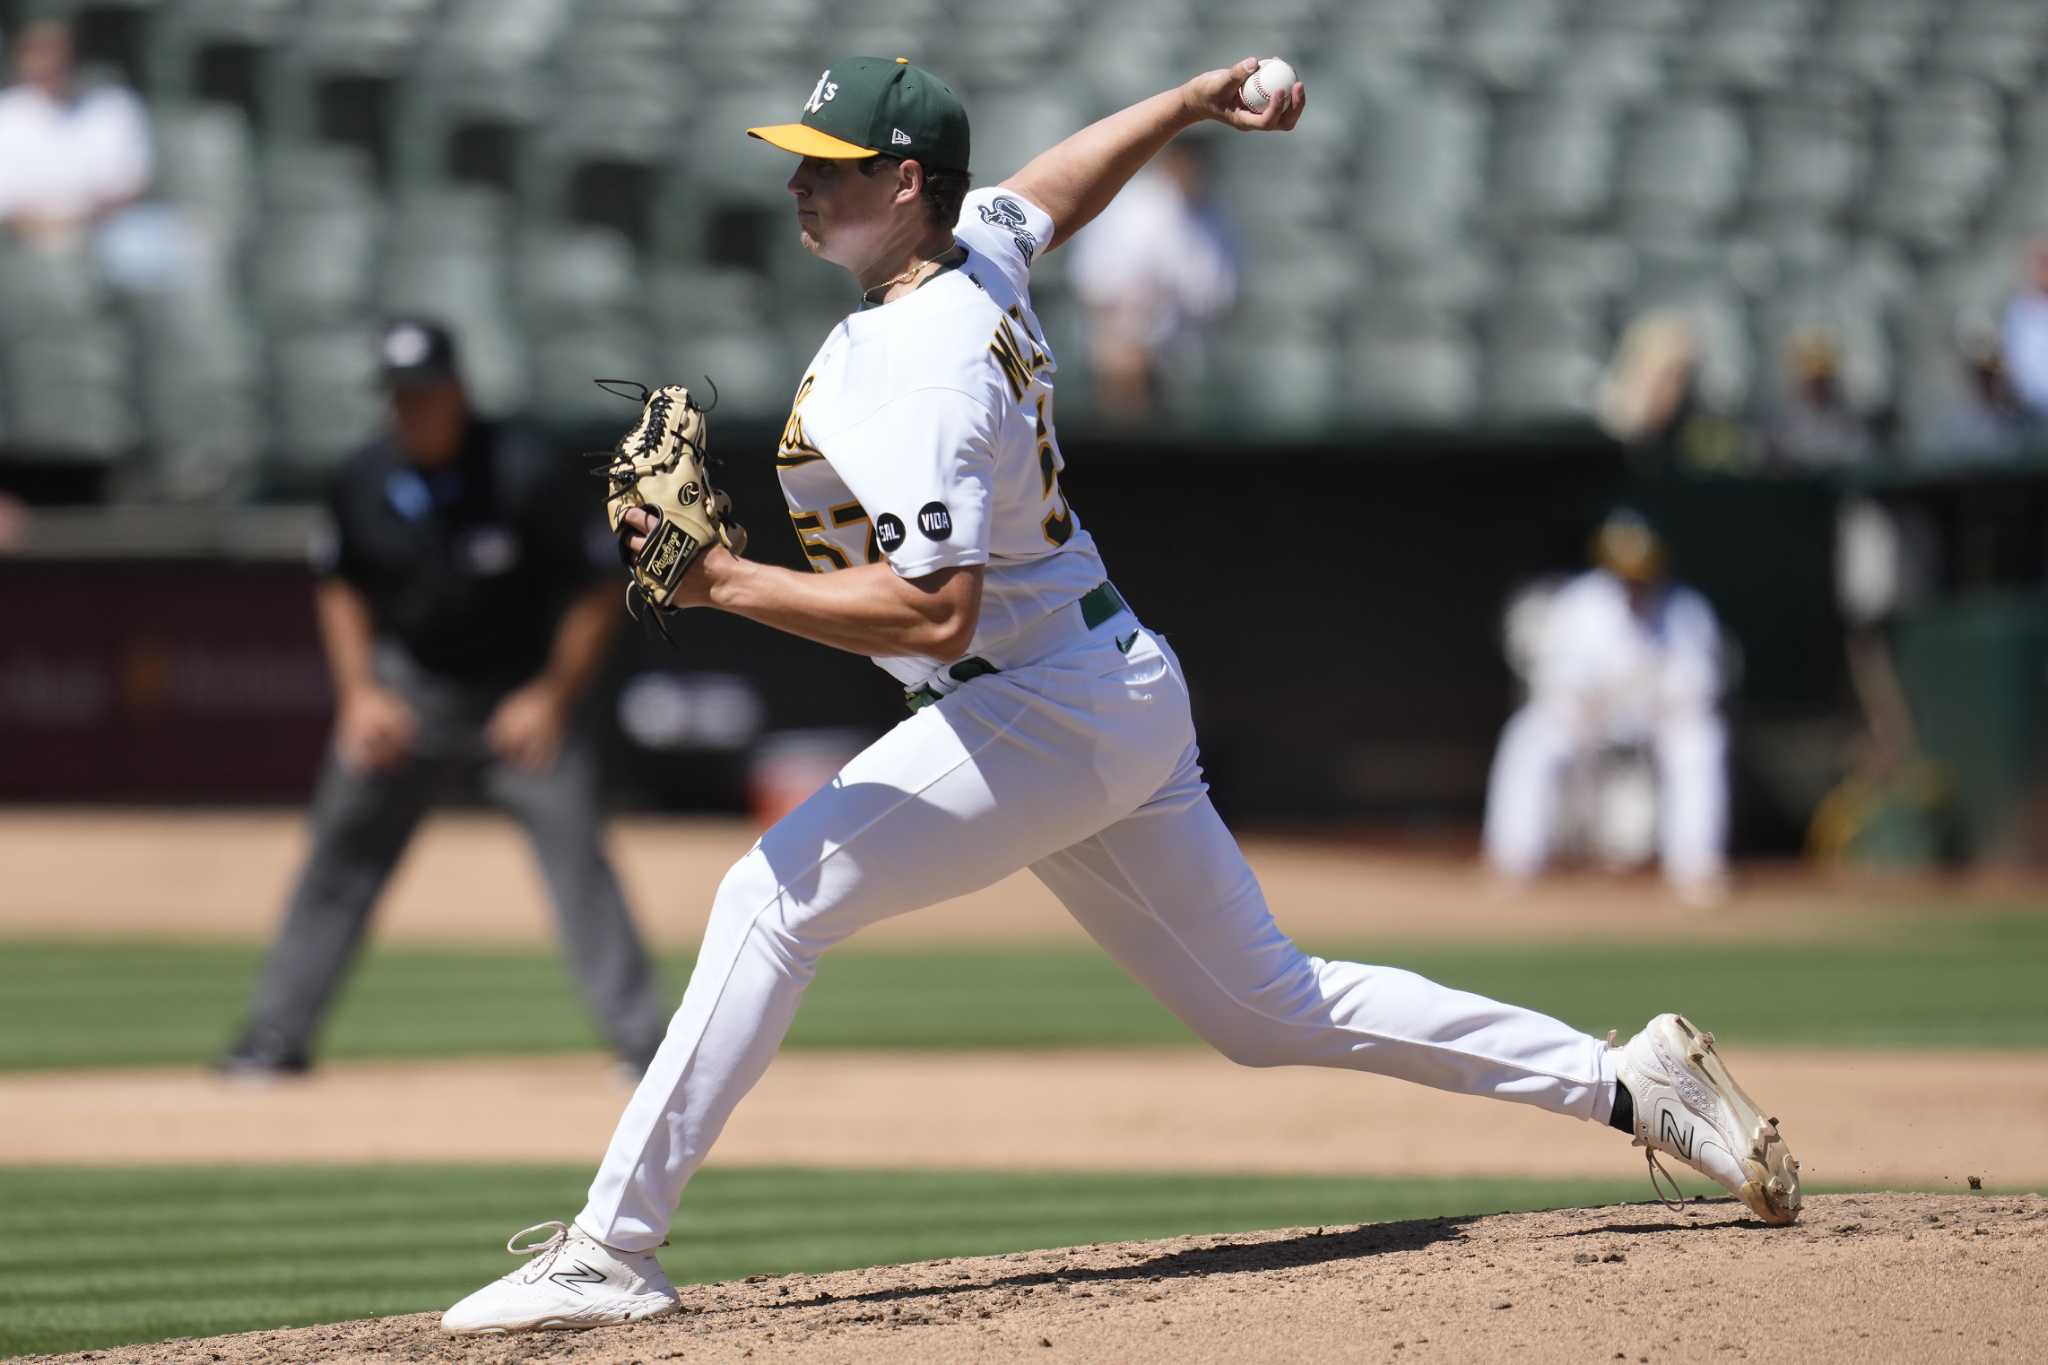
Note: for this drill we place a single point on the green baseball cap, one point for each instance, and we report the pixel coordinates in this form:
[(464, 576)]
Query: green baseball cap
[(865, 106)]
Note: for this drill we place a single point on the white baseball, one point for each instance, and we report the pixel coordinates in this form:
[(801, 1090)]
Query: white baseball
[(1274, 77)]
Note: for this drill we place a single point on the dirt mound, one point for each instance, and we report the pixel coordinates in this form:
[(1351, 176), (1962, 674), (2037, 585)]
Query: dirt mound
[(1861, 1277)]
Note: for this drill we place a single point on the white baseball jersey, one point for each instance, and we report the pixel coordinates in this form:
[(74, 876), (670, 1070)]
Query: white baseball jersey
[(1623, 671), (923, 433)]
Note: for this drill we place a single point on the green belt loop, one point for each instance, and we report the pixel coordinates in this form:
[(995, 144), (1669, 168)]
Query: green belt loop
[(1099, 604)]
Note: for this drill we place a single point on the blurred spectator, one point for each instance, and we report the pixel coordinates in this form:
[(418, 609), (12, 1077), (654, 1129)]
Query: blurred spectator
[(2026, 333), (1815, 428), (69, 156), (1650, 398), (14, 515), (1619, 662), (1154, 270), (1990, 421), (466, 604)]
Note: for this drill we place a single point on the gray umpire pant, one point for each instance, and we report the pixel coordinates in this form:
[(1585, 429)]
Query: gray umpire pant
[(362, 821)]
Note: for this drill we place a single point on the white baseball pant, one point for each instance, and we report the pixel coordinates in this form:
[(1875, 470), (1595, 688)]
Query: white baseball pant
[(1541, 742), (1081, 766)]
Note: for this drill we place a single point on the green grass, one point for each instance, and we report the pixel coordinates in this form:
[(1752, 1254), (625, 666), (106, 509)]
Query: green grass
[(93, 1258), (1964, 982)]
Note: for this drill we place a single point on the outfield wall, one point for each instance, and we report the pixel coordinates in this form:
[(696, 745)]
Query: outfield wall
[(1340, 616)]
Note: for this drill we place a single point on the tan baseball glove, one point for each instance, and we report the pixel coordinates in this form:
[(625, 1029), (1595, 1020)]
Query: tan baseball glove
[(661, 465)]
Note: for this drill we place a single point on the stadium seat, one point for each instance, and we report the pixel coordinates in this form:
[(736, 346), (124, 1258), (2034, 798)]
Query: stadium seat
[(323, 388), (1873, 45), (1618, 64), (1553, 162), (200, 397), (206, 163), (567, 358), (576, 273), (1400, 370), (1508, 180), (1420, 177), (1811, 157), (1543, 359), (313, 177), (1667, 17), (1276, 372), (751, 368), (1747, 44), (316, 267), (70, 393), (1568, 270), (1939, 156), (1682, 165), (1509, 44), (2002, 48)]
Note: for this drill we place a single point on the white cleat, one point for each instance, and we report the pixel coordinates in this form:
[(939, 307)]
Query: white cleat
[(573, 1281), (1689, 1107)]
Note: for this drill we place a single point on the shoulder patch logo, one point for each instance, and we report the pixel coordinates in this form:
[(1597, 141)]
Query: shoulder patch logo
[(1007, 214), (898, 138), (888, 530), (935, 521)]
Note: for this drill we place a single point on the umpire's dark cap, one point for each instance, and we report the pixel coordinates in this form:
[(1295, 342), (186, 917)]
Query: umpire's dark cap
[(415, 353)]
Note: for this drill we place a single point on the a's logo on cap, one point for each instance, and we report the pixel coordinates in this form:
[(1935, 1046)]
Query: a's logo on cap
[(406, 346), (822, 92), (898, 138)]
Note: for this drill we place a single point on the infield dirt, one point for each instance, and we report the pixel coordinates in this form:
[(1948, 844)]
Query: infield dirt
[(1850, 1282)]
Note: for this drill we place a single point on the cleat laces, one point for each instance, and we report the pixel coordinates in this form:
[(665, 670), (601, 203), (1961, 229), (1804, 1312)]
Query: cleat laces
[(1676, 1199), (543, 1252)]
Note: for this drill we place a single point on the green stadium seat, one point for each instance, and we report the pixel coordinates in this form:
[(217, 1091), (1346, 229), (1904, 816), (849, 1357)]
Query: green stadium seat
[(1811, 157), (1552, 164), (1682, 165)]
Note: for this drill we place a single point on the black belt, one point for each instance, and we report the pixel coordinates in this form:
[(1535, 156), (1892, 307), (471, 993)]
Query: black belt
[(1101, 602)]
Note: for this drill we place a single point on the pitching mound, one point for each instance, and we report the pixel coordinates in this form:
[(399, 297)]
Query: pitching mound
[(1862, 1277)]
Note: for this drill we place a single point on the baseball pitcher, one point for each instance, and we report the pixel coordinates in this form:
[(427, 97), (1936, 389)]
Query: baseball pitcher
[(1049, 727)]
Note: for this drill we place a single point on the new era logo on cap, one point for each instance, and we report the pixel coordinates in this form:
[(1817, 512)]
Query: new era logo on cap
[(898, 138)]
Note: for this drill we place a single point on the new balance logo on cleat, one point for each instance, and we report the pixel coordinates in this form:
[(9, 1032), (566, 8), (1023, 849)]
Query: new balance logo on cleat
[(898, 138), (1667, 1132), (582, 1274)]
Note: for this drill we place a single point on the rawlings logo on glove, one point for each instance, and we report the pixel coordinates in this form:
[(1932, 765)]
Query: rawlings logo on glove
[(660, 465)]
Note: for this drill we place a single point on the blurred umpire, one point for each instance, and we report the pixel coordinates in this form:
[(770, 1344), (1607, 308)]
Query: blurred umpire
[(460, 606)]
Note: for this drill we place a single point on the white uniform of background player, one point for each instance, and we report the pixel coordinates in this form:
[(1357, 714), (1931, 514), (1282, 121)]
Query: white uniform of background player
[(1619, 659), (923, 434)]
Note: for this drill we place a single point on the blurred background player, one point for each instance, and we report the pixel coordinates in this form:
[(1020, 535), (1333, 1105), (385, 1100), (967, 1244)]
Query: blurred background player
[(1988, 420), (1619, 658), (1157, 269), (1815, 426), (2026, 332), (463, 617), (1652, 398)]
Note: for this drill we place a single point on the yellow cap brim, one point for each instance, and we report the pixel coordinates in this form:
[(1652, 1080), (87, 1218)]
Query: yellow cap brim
[(807, 141)]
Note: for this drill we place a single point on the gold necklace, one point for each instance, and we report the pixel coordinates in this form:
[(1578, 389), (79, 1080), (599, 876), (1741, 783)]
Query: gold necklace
[(907, 275)]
